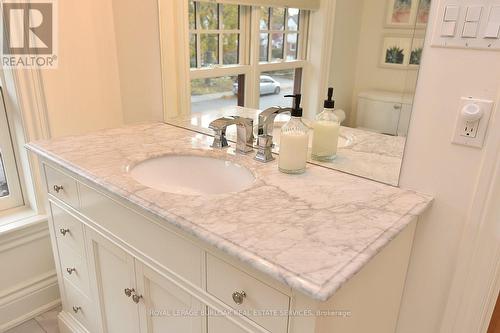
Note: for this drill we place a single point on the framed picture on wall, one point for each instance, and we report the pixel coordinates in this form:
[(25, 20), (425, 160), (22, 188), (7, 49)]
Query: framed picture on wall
[(401, 51), (416, 52), (407, 14), (424, 6), (395, 52)]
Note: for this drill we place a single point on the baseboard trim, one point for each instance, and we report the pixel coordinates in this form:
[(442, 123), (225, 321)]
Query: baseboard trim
[(28, 288), (67, 324), (38, 311), (28, 300)]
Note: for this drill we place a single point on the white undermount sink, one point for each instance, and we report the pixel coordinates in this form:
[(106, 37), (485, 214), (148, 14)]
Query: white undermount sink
[(192, 175)]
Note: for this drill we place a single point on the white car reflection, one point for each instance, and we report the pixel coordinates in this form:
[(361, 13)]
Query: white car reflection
[(268, 85)]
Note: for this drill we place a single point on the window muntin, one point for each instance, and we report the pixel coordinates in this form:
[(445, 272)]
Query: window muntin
[(279, 34), (214, 34)]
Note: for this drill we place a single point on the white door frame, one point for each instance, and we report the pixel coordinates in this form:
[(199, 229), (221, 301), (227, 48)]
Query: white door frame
[(476, 282)]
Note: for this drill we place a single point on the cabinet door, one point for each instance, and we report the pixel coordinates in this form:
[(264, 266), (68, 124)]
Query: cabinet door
[(164, 306), (114, 272)]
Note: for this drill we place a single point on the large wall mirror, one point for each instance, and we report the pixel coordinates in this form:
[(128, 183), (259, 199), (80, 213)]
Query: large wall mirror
[(237, 58)]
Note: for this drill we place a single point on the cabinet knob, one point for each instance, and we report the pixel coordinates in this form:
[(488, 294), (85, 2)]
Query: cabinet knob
[(58, 188), (397, 106), (136, 298), (239, 296), (76, 309), (70, 270), (128, 291), (63, 231)]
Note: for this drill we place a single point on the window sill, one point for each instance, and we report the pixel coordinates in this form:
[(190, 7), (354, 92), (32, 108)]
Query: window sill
[(19, 218)]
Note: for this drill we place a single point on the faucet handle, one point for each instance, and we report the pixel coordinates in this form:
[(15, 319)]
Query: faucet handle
[(264, 152), (219, 128), (220, 140)]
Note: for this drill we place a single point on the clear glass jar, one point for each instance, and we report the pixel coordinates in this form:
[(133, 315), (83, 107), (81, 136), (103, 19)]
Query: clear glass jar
[(294, 142), (325, 135)]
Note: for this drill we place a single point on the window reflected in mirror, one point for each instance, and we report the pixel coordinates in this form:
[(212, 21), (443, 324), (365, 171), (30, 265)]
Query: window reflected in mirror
[(212, 94), (279, 34), (274, 85), (244, 59)]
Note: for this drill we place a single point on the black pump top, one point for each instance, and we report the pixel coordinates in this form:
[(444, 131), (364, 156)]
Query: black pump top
[(329, 103), (296, 109)]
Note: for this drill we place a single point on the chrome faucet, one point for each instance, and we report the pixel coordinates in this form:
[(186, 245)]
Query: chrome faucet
[(265, 132), (244, 133)]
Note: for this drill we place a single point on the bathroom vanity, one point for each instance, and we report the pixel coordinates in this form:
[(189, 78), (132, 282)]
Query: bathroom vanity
[(318, 252)]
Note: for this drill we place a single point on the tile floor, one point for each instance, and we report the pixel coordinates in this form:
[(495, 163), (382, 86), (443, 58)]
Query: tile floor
[(44, 323)]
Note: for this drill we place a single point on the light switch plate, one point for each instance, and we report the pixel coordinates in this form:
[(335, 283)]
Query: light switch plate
[(468, 24), (476, 129)]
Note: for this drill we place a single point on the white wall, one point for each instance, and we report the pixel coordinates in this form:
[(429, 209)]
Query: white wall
[(432, 164), (137, 36), (359, 32), (83, 94), (345, 51)]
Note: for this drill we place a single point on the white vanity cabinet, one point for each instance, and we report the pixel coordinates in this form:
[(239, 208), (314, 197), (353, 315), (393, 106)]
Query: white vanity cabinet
[(121, 270), (134, 298)]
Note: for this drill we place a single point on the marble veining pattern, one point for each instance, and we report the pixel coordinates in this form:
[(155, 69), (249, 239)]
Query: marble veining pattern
[(312, 231)]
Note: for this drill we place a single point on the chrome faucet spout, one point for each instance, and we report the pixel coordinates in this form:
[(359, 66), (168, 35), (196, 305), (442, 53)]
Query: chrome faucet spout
[(244, 133), (266, 119), (265, 132)]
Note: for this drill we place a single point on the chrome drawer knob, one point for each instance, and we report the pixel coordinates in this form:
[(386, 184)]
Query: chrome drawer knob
[(136, 298), (70, 270), (76, 309), (58, 188), (63, 231), (239, 296), (128, 291)]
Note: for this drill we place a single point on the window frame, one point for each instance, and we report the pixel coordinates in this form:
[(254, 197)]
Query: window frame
[(249, 65), (269, 31), (198, 31), (15, 197), (260, 67)]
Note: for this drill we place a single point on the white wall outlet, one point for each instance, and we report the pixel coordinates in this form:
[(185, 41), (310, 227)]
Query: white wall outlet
[(472, 121), (470, 129)]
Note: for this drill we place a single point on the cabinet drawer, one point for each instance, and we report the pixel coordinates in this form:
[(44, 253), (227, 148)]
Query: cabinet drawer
[(68, 230), (61, 186), (79, 306), (167, 248), (74, 268), (260, 301)]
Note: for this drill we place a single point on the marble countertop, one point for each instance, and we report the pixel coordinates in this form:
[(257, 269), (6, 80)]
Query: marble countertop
[(312, 232), (367, 154)]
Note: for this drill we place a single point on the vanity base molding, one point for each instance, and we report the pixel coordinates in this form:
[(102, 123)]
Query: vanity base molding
[(121, 269)]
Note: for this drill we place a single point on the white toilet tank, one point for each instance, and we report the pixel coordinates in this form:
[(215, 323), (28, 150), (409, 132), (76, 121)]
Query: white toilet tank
[(384, 112)]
